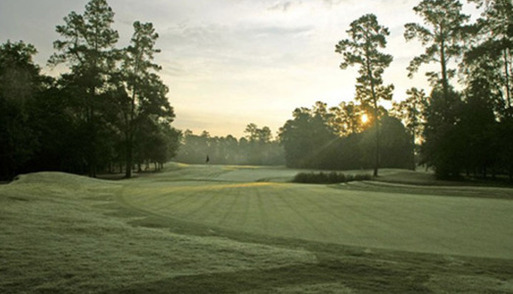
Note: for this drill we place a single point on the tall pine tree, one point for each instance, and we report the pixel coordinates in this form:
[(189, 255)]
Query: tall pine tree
[(145, 92), (87, 46), (366, 36), (442, 36)]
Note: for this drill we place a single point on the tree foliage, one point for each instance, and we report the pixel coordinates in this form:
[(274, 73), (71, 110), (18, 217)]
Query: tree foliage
[(20, 82), (142, 94), (442, 36), (87, 46), (110, 109), (466, 132), (412, 113), (491, 57), (310, 141)]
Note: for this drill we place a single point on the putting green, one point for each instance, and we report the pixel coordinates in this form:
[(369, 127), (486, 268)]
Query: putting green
[(231, 198)]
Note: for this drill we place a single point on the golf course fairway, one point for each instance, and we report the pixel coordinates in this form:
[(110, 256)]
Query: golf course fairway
[(222, 197), (247, 229)]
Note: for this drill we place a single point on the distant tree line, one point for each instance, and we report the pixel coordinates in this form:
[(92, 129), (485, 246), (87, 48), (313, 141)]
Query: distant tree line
[(109, 112), (258, 147)]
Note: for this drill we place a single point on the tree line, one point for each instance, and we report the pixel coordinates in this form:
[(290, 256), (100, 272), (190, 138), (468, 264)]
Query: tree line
[(108, 112), (258, 147), (468, 131)]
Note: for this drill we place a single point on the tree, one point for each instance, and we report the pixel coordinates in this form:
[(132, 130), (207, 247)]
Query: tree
[(495, 31), (310, 142), (396, 146), (258, 135), (145, 93), (260, 148), (346, 118), (257, 148), (193, 148), (88, 47), (442, 36), (491, 67), (443, 143), (20, 83), (305, 139), (411, 112), (158, 143), (366, 36), (478, 124)]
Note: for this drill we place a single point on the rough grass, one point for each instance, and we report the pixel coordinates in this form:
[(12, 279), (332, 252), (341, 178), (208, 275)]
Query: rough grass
[(198, 230)]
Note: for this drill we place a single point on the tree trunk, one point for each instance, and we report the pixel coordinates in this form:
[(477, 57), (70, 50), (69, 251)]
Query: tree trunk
[(445, 79), (506, 72), (378, 138), (93, 138), (414, 165), (128, 169), (376, 118)]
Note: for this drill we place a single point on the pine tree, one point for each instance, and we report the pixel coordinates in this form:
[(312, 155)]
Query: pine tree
[(366, 36), (442, 36), (145, 93), (88, 48)]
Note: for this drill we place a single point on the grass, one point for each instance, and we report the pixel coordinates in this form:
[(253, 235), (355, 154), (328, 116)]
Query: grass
[(58, 235), (399, 221), (199, 229)]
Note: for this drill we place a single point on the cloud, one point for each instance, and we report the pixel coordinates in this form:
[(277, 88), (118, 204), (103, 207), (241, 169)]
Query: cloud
[(331, 3), (283, 6), (248, 41), (269, 56), (279, 30)]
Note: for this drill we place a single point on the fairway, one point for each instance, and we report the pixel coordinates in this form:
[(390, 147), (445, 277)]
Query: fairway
[(227, 229), (236, 199)]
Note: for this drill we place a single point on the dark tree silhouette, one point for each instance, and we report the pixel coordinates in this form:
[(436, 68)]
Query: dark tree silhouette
[(366, 36), (411, 112), (145, 93), (88, 47), (20, 82)]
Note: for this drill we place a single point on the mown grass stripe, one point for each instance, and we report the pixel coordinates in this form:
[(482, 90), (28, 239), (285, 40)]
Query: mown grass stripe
[(233, 199), (262, 211), (309, 227), (204, 201)]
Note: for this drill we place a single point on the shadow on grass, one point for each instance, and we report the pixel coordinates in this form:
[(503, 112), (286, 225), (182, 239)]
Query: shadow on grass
[(354, 276)]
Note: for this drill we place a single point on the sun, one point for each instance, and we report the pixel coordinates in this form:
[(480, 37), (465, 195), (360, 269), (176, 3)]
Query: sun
[(365, 118)]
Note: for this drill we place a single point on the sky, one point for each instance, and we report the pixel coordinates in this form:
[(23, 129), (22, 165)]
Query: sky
[(229, 63)]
